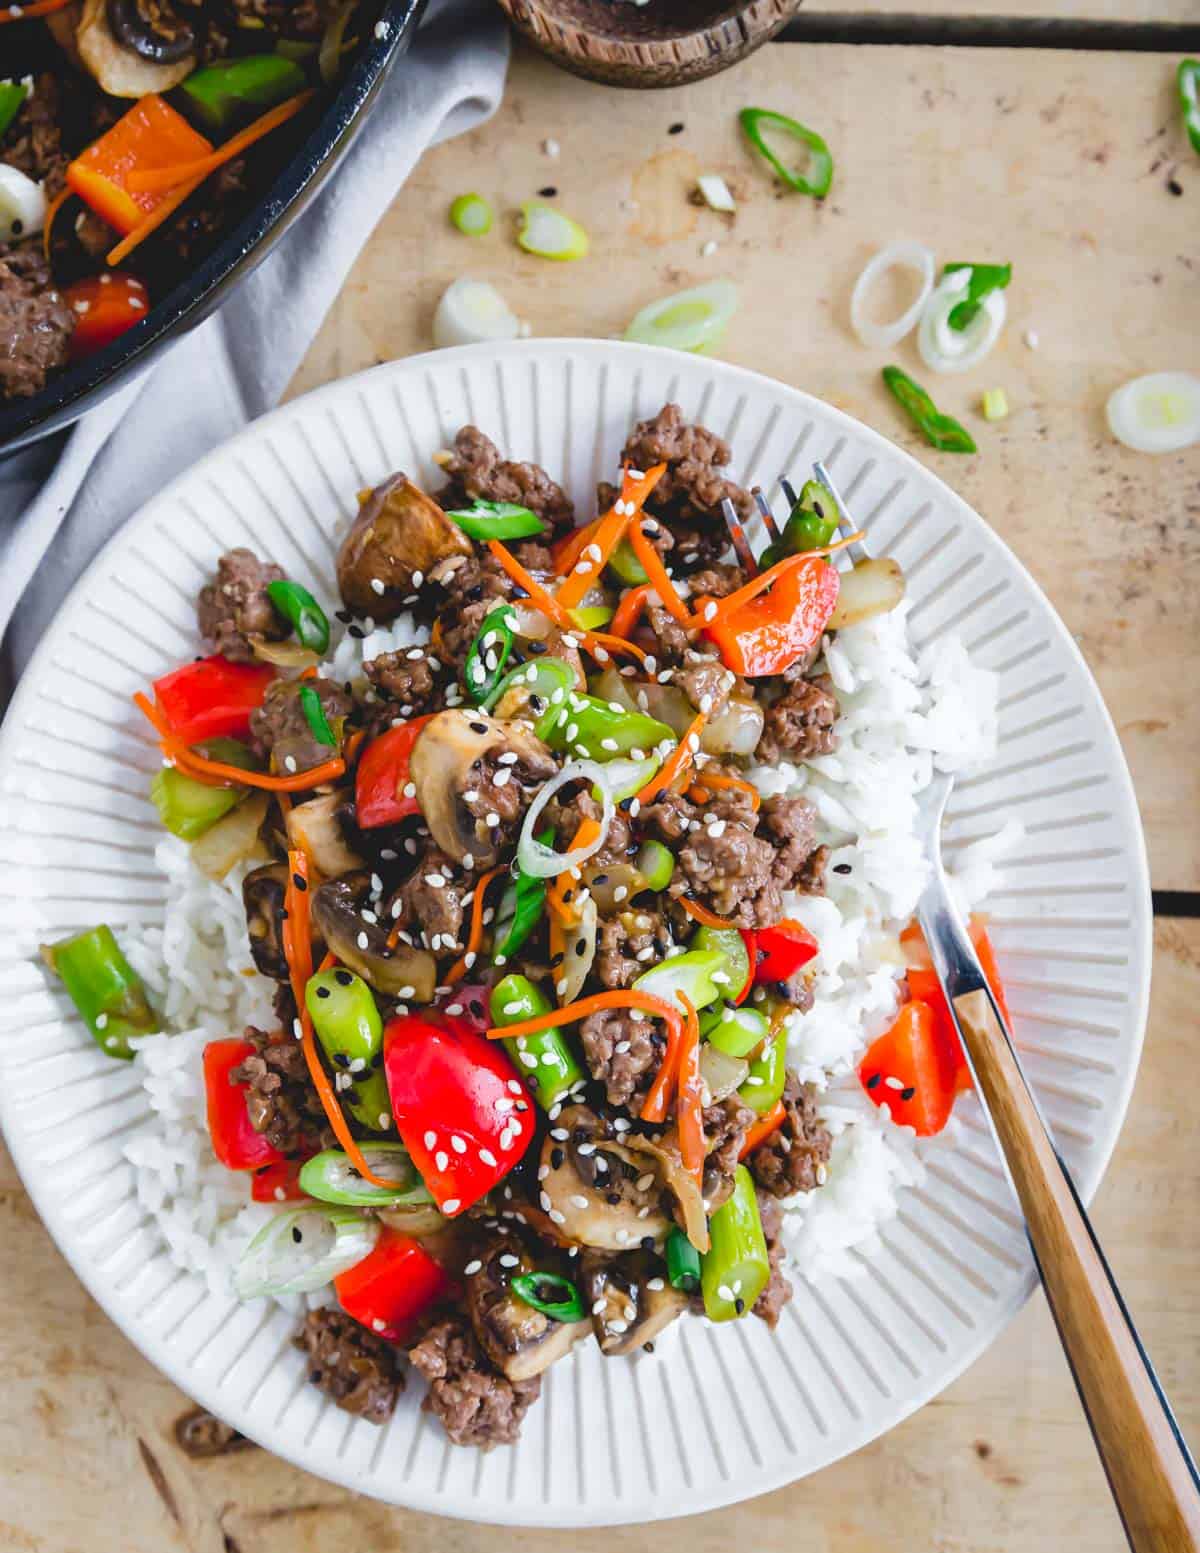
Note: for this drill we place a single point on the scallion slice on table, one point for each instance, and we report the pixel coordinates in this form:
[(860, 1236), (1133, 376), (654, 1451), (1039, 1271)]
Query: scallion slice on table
[(1158, 413), (946, 346), (551, 233), (940, 431), (472, 215), (306, 617), (300, 1250), (982, 281), (330, 1177), (995, 404), (692, 320), (104, 987), (1188, 79), (715, 193), (905, 255), (471, 311), (817, 176)]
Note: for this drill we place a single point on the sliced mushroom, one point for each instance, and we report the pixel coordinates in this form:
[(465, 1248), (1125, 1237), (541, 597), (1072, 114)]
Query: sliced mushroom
[(660, 1152), (443, 765), (314, 828), (263, 895), (400, 971), (117, 69), (399, 531), (630, 1299), (519, 1340), (603, 1200), (152, 29)]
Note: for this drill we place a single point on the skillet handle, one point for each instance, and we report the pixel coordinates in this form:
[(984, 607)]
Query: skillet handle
[(1150, 1470)]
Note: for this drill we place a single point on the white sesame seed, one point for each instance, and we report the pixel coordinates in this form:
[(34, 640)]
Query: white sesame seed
[(297, 1029), (101, 1021), (488, 1157), (544, 1199), (515, 1088), (385, 1120), (556, 1217), (622, 1236), (377, 585), (451, 1205), (725, 1292), (473, 1267), (620, 893), (710, 611), (492, 821), (290, 762), (457, 1144), (508, 1260), (379, 1325), (644, 1183), (362, 940), (441, 1159), (893, 1083)]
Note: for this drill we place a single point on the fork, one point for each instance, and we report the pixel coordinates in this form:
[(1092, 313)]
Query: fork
[(1150, 1470), (856, 551)]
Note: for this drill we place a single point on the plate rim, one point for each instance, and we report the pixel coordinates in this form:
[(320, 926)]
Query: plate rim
[(725, 1493)]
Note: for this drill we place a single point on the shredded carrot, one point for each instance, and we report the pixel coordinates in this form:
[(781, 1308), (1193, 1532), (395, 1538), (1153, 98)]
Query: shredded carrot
[(37, 8), (158, 180), (297, 950), (560, 893), (549, 605), (609, 533), (475, 937), (166, 207), (656, 574), (629, 610), (217, 774), (353, 743), (763, 1128), (714, 780), (734, 601), (702, 914), (676, 763), (53, 208), (567, 551), (689, 1111)]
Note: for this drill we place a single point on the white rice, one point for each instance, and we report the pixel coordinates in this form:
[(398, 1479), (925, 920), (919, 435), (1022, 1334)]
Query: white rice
[(900, 719)]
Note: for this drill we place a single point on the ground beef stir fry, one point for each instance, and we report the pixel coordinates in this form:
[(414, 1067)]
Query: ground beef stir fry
[(535, 930)]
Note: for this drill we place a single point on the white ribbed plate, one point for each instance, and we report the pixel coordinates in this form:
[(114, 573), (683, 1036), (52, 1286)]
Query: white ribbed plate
[(717, 1416)]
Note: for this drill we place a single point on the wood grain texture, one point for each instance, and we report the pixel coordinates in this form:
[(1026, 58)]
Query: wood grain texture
[(1058, 161), (1151, 1479), (1079, 10), (1000, 1463)]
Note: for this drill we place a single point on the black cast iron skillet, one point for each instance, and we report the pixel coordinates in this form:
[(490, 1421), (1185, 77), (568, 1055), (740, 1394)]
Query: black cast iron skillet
[(322, 136)]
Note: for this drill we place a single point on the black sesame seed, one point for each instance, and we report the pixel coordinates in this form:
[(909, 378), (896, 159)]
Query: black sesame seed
[(580, 946), (1175, 187), (474, 594), (377, 1059), (907, 1094), (297, 1236), (613, 1198), (324, 992), (315, 1376), (300, 881), (343, 978), (842, 868), (625, 803), (342, 1060), (599, 879), (357, 633), (675, 129), (479, 728), (873, 1081), (556, 1158), (548, 192), (18, 227), (536, 648), (647, 1242), (647, 1347), (556, 960), (740, 1306), (343, 615)]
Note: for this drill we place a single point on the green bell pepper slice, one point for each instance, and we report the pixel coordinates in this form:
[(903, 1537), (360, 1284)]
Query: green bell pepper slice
[(306, 617), (768, 1074), (188, 808), (731, 946), (223, 98), (104, 987), (347, 1024), (736, 1268), (544, 1057), (819, 176), (811, 525), (940, 431), (736, 1031), (589, 727), (623, 563), (483, 671), (521, 909)]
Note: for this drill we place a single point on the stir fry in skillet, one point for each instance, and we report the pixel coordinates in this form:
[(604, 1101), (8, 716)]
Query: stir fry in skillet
[(133, 133), (526, 915)]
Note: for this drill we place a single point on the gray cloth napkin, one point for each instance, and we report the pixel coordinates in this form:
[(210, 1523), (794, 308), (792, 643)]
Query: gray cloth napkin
[(60, 501)]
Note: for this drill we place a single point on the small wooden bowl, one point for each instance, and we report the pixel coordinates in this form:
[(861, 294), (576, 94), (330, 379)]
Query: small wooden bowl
[(662, 43)]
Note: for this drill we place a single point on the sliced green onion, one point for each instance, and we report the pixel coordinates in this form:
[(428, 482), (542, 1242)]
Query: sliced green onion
[(12, 95), (683, 1262), (470, 312), (623, 561), (1188, 80), (329, 56), (497, 520), (483, 672), (715, 192), (767, 1076), (817, 177), (104, 987), (544, 1058), (627, 777), (655, 863), (731, 946), (995, 404), (812, 523), (691, 320), (220, 98), (330, 1177), (736, 1031), (946, 347), (940, 431), (302, 1249), (539, 681), (550, 233), (521, 909), (551, 1293), (314, 716), (297, 606), (591, 617), (1158, 413), (736, 1268), (472, 215), (982, 281), (689, 973)]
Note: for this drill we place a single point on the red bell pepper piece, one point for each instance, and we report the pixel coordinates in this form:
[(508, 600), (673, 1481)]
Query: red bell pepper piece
[(382, 776), (234, 1140), (912, 1070), (769, 633), (783, 950), (924, 986), (105, 306), (389, 1289), (461, 1110), (212, 698), (750, 939), (278, 1183)]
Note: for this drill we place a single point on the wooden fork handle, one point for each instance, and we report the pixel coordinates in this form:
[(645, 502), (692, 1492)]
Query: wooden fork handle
[(1150, 1471)]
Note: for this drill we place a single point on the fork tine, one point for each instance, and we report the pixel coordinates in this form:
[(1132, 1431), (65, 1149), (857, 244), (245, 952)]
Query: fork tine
[(737, 534), (855, 552), (768, 517), (789, 492)]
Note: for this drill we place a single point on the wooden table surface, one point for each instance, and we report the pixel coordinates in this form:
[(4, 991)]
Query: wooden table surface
[(1062, 162)]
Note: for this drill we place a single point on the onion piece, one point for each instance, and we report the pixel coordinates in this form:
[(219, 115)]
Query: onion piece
[(669, 1162), (542, 862), (303, 1249), (579, 950), (715, 192), (690, 320), (22, 204), (1158, 413), (329, 56), (720, 1073), (232, 839), (472, 311), (550, 233), (872, 588), (904, 254), (944, 349), (284, 655)]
